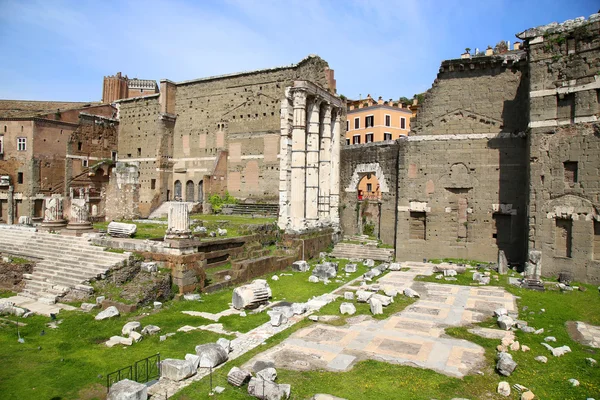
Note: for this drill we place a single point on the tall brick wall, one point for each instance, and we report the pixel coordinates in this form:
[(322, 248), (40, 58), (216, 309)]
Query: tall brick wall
[(565, 147)]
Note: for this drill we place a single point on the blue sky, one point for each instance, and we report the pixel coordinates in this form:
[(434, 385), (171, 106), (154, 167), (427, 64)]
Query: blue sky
[(60, 50)]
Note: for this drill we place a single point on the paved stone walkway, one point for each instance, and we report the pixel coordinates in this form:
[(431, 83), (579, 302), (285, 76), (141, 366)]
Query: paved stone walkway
[(415, 336), (586, 334), (37, 307)]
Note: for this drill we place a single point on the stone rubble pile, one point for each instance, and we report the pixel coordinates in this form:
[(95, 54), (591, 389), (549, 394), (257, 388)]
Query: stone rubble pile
[(263, 385), (252, 295)]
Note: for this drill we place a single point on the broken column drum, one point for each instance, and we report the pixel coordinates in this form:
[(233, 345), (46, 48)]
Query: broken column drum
[(179, 222), (79, 218), (53, 214), (309, 158), (252, 295)]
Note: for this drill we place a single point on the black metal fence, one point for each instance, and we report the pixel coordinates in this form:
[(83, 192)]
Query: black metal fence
[(141, 371)]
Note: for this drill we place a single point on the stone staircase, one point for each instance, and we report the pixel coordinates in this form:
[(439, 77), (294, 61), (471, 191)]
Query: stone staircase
[(360, 251), (65, 262), (163, 210), (255, 209)]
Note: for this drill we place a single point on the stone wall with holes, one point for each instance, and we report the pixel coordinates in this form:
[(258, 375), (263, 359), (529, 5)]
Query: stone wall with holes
[(179, 136), (565, 148), (378, 159), (462, 198), (478, 95)]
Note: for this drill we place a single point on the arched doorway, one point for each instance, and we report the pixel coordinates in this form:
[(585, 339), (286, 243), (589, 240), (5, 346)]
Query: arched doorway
[(368, 188), (200, 192), (177, 194), (368, 194), (189, 191)]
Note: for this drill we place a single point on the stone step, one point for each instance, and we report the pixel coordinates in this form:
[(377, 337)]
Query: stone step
[(58, 252)]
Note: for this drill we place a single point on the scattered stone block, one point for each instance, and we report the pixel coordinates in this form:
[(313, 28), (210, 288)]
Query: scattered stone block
[(128, 390), (591, 362), (120, 229), (385, 300), (150, 330), (450, 272), (505, 364), (323, 396), (347, 308), (527, 329), (408, 292), (313, 279), (130, 327), (157, 305), (376, 306), (300, 266), (266, 390), (87, 307), (261, 364), (515, 346), (574, 382), (369, 263), (251, 295), (274, 278), (135, 336), (238, 377), (211, 355), (539, 331), (277, 319), (225, 344), (324, 271), (504, 389), (395, 267), (109, 312), (350, 268), (162, 338), (149, 266), (362, 296), (100, 299), (500, 312), (525, 348), (176, 370), (194, 359), (505, 322), (549, 339), (191, 297), (560, 351), (348, 295), (299, 308), (528, 395), (542, 359), (219, 389), (267, 374), (314, 318)]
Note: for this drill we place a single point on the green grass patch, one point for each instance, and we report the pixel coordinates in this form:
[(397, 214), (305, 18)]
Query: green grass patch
[(472, 263), (6, 293), (19, 260)]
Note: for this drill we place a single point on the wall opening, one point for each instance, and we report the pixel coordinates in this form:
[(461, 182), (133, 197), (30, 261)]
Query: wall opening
[(152, 183), (418, 225), (566, 107), (368, 188), (570, 168), (19, 177), (563, 237), (503, 234), (596, 240), (189, 191), (201, 192), (177, 190)]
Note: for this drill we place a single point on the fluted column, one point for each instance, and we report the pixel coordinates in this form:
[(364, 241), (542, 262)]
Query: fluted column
[(79, 217), (53, 214), (285, 161), (298, 181), (312, 162), (335, 170), (178, 221), (325, 165)]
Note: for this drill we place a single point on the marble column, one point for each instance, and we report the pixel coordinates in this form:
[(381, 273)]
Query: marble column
[(298, 181), (325, 165), (285, 161), (178, 221), (312, 162), (335, 169), (53, 214), (10, 219), (79, 218)]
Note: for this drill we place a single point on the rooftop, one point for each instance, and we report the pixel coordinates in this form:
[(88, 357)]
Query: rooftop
[(32, 108), (555, 27)]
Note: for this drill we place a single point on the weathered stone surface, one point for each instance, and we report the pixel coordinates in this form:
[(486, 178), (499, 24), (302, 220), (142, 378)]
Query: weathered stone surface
[(395, 266), (515, 346), (385, 300), (300, 266), (261, 364), (505, 322), (299, 308), (135, 336), (150, 266), (150, 330), (121, 229), (211, 355), (348, 295), (500, 312), (87, 307), (347, 308), (266, 390), (376, 306), (450, 272), (504, 389), (502, 262), (362, 296), (350, 268), (176, 370), (408, 292), (528, 395), (542, 359), (225, 344), (130, 327), (324, 271), (252, 295), (238, 377), (110, 312), (313, 279), (194, 359), (323, 396), (277, 319), (191, 297), (267, 374), (574, 382), (369, 263), (128, 390), (505, 364)]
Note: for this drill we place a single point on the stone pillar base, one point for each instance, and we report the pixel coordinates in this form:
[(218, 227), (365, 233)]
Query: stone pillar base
[(79, 226), (61, 223)]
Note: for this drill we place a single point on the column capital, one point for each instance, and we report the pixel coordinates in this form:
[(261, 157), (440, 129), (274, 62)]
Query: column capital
[(299, 98)]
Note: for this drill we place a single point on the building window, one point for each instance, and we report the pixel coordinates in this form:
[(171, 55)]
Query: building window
[(369, 138), (21, 144), (347, 142), (19, 177), (356, 123), (387, 136), (139, 152), (563, 237), (113, 155), (84, 162), (4, 128), (388, 120), (1, 144), (347, 125), (402, 123), (356, 139), (369, 187), (417, 225), (596, 240), (566, 107), (152, 183), (570, 172), (369, 121), (79, 146)]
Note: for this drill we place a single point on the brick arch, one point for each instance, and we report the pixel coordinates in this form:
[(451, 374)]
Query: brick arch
[(368, 168)]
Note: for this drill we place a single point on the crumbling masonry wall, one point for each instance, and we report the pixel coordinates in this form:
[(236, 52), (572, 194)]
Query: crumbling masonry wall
[(565, 147)]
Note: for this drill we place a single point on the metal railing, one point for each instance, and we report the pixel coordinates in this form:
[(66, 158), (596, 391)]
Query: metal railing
[(141, 371)]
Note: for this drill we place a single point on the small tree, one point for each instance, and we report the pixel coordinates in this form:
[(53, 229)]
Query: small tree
[(468, 50), (501, 47)]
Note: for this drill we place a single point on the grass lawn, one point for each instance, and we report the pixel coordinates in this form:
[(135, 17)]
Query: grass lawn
[(379, 380), (6, 293), (71, 362)]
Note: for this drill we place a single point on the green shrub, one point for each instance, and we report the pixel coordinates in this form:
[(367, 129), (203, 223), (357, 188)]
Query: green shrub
[(216, 201)]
